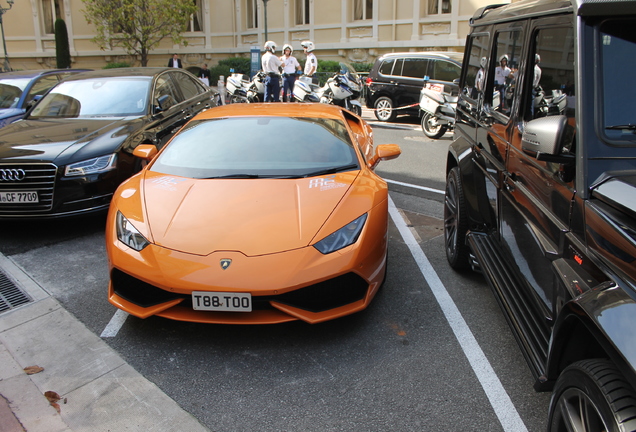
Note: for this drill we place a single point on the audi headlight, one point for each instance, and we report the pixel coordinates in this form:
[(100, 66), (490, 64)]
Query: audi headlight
[(129, 235), (345, 236), (91, 166)]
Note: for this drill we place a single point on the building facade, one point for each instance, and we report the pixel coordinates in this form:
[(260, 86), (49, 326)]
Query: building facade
[(351, 30)]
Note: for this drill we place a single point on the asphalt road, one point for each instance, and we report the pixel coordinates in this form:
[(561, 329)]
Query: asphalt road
[(432, 353)]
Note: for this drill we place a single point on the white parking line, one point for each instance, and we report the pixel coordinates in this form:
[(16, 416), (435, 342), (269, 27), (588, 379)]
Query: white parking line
[(115, 323), (497, 395), (415, 186)]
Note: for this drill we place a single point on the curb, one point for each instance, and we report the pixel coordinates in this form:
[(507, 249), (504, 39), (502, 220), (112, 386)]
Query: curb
[(99, 390)]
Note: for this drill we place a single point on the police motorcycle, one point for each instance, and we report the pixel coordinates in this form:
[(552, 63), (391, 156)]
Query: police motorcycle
[(256, 88), (236, 86), (343, 89), (438, 109), (305, 90)]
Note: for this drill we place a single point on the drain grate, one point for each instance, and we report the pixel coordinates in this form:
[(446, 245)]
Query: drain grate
[(10, 295)]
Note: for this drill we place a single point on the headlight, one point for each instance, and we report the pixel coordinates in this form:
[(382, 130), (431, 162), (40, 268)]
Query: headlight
[(344, 237), (91, 166), (128, 234)]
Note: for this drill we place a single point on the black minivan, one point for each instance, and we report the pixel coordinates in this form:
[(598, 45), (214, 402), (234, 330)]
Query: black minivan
[(541, 195), (396, 79)]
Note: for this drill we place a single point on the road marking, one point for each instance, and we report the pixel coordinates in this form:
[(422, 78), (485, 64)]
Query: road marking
[(415, 186), (497, 395), (115, 323)]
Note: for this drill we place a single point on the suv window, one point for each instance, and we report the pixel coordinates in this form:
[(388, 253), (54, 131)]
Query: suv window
[(445, 71), (386, 67), (415, 67), (508, 49), (476, 67)]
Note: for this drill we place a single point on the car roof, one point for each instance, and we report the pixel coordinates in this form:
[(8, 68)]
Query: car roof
[(35, 73), (532, 8), (273, 110), (448, 55), (121, 72)]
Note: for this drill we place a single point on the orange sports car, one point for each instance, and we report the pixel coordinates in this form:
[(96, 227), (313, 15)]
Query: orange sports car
[(253, 214)]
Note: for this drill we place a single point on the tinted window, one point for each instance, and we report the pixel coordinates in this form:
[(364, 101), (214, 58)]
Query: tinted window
[(41, 86), (221, 148), (474, 80), (189, 87), (508, 56), (166, 91), (444, 70), (387, 66), (415, 67), (11, 90), (618, 61)]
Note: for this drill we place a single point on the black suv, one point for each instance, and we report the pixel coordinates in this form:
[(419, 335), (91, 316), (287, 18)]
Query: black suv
[(541, 195), (396, 79)]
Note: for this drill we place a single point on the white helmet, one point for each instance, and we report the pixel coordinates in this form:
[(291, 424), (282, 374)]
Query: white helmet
[(483, 62), (503, 57), (291, 50), (537, 58), (308, 45), (270, 46)]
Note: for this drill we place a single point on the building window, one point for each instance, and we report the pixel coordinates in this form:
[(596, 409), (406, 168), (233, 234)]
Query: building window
[(252, 14), (362, 9), (196, 19), (51, 10), (436, 7), (302, 12)]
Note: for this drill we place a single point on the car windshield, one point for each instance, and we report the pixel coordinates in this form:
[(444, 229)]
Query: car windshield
[(95, 97), (618, 60), (259, 147), (11, 90)]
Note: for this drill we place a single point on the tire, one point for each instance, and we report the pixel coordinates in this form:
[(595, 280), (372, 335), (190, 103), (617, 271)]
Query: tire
[(384, 109), (431, 128), (455, 222), (592, 396), (357, 110)]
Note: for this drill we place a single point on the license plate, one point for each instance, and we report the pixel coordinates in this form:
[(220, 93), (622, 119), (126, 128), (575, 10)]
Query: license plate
[(18, 197), (221, 301)]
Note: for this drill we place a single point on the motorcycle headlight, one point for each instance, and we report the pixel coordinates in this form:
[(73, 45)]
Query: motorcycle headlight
[(129, 235), (345, 236), (91, 166)]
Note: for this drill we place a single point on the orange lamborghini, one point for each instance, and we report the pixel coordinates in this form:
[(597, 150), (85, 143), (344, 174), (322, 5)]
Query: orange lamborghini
[(253, 214)]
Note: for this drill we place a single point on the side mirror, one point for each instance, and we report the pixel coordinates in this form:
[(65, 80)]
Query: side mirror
[(163, 103), (543, 139), (384, 152), (145, 151)]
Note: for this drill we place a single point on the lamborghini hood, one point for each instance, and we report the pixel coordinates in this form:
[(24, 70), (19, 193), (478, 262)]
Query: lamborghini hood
[(251, 216)]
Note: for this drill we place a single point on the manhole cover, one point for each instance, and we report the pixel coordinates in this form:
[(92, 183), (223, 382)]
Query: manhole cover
[(10, 295)]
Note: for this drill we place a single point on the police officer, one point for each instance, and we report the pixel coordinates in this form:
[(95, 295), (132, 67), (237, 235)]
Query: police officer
[(311, 63), (271, 66), (290, 66)]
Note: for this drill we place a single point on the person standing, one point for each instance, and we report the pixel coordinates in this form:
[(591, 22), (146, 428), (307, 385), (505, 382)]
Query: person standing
[(271, 66), (204, 74), (290, 66), (175, 62), (311, 63), (502, 72)]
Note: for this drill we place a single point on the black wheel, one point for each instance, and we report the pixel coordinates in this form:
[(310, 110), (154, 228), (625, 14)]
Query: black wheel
[(455, 222), (431, 127), (384, 109), (592, 396)]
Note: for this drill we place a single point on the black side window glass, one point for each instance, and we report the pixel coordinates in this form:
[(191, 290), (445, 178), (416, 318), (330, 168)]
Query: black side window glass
[(41, 87), (397, 69), (504, 78), (474, 80), (166, 94), (445, 71), (415, 67), (189, 87), (387, 66), (551, 67)]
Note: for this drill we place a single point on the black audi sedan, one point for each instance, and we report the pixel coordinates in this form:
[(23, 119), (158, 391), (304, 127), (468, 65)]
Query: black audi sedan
[(70, 152), (18, 89)]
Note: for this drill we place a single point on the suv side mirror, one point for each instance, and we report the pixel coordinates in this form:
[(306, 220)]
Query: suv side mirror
[(543, 139)]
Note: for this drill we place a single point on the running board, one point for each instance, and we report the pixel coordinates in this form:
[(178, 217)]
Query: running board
[(531, 333)]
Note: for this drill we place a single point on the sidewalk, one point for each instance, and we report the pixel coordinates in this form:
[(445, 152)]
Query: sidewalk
[(99, 391)]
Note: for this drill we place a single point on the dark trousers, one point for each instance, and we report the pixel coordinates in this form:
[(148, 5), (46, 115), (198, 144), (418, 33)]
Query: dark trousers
[(272, 88), (288, 87)]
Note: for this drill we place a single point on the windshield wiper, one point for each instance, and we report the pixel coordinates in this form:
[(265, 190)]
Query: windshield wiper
[(236, 176), (629, 127), (332, 170)]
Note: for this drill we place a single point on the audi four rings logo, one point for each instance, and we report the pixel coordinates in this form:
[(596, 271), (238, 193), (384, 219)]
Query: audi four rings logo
[(12, 174)]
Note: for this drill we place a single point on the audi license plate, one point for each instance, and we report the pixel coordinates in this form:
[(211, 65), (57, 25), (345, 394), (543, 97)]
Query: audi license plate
[(18, 197), (221, 301)]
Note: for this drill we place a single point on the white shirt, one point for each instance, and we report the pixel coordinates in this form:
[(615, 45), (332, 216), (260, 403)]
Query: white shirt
[(501, 74), (290, 64), (311, 63), (270, 63)]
